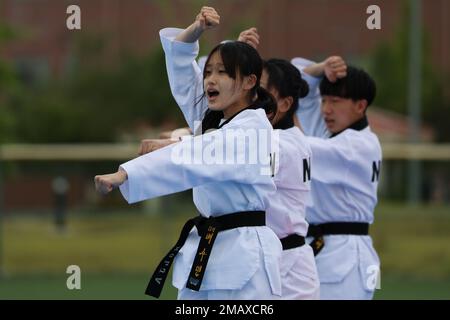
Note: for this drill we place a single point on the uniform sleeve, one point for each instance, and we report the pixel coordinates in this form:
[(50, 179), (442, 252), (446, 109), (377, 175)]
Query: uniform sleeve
[(309, 111), (313, 82), (331, 159), (192, 162), (185, 76), (201, 62)]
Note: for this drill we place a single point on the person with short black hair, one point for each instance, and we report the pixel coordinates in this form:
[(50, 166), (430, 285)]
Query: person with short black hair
[(344, 179)]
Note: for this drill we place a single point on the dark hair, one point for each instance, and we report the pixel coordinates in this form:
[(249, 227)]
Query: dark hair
[(287, 80), (357, 85), (240, 58)]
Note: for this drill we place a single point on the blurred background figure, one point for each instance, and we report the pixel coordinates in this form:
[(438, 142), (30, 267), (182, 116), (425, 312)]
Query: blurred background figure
[(60, 187)]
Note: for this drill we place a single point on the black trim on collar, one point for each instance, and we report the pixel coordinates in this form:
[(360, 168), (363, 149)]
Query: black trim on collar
[(359, 125), (234, 115), (285, 123)]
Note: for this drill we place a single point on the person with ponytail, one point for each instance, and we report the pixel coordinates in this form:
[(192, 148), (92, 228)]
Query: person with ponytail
[(286, 213), (227, 252), (346, 165)]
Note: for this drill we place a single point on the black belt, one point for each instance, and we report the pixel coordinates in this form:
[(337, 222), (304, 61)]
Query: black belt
[(207, 229), (319, 230), (292, 241)]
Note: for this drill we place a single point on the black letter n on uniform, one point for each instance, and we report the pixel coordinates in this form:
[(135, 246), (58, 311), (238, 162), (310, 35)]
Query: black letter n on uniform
[(306, 169), (376, 167)]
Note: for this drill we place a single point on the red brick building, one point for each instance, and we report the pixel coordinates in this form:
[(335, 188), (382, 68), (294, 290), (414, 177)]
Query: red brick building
[(288, 28)]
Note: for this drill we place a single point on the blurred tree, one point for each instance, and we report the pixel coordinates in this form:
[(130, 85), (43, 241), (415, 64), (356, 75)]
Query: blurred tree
[(389, 68), (9, 89), (98, 101), (103, 93)]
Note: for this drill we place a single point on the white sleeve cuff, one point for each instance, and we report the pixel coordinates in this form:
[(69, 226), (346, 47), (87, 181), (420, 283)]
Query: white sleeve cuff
[(169, 35)]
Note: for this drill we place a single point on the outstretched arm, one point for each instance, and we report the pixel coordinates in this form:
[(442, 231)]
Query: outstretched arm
[(150, 145), (175, 134)]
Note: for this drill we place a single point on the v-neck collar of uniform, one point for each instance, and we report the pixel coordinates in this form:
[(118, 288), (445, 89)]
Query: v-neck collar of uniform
[(234, 115), (359, 125)]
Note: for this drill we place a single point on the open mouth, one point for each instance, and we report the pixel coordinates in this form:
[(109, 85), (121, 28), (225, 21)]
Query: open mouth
[(212, 94)]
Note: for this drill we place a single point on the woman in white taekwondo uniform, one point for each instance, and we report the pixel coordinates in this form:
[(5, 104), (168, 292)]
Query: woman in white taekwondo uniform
[(286, 213), (345, 175), (230, 254)]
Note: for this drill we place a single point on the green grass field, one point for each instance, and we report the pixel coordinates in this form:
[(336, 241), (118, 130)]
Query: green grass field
[(118, 251), (132, 286)]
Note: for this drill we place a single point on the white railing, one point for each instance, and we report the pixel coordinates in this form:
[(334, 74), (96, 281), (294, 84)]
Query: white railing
[(92, 152)]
